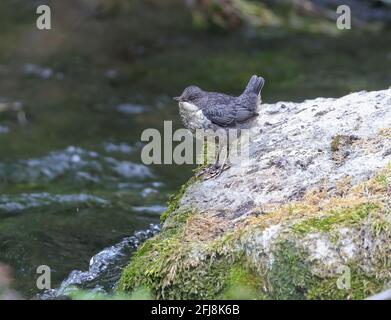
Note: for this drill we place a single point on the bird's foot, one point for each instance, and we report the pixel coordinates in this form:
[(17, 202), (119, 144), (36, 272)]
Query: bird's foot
[(222, 168), (212, 171), (205, 171)]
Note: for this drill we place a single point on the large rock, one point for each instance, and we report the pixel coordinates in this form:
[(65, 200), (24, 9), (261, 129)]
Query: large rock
[(306, 216)]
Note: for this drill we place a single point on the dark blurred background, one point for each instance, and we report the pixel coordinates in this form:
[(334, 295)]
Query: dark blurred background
[(75, 99)]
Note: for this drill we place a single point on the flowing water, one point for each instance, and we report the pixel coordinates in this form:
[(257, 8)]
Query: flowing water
[(74, 101)]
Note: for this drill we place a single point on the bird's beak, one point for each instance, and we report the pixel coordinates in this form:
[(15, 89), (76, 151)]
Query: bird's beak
[(177, 98)]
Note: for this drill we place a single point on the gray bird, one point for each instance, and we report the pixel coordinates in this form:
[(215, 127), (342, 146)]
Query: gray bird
[(204, 110), (211, 110)]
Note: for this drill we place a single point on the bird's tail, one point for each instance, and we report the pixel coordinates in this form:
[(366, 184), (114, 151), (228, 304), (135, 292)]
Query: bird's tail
[(255, 85)]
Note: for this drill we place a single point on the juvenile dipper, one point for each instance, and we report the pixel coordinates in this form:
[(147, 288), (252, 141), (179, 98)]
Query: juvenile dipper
[(204, 110), (200, 109)]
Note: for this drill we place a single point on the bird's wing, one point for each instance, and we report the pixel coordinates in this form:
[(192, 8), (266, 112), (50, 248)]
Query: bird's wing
[(226, 115), (242, 113), (220, 115)]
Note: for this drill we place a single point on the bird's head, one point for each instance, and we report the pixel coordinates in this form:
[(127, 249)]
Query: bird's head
[(190, 94)]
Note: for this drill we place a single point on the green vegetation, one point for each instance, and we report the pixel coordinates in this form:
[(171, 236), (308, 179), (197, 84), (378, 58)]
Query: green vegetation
[(242, 284), (360, 286), (335, 143), (290, 274), (161, 264), (164, 265), (174, 200), (77, 294), (339, 217)]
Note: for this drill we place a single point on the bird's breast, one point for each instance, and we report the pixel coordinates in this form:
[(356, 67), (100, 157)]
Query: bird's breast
[(192, 117), (188, 107)]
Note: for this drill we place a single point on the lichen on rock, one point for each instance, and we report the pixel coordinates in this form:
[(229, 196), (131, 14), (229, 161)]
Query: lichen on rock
[(291, 222)]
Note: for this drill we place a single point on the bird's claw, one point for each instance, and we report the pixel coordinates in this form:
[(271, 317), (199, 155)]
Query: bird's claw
[(212, 171)]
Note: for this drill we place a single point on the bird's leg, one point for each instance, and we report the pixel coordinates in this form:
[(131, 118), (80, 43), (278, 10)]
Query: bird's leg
[(215, 170), (225, 164), (211, 170), (209, 167), (216, 164)]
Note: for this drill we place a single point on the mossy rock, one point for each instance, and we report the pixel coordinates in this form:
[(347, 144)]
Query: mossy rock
[(296, 251)]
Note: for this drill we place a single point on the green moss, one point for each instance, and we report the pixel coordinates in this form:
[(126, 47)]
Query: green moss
[(167, 272), (78, 294), (150, 262), (204, 281), (355, 286), (335, 143), (162, 265), (340, 141), (148, 265), (380, 226), (382, 180), (174, 199), (340, 217), (290, 274), (242, 284), (290, 277), (173, 268), (164, 216)]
